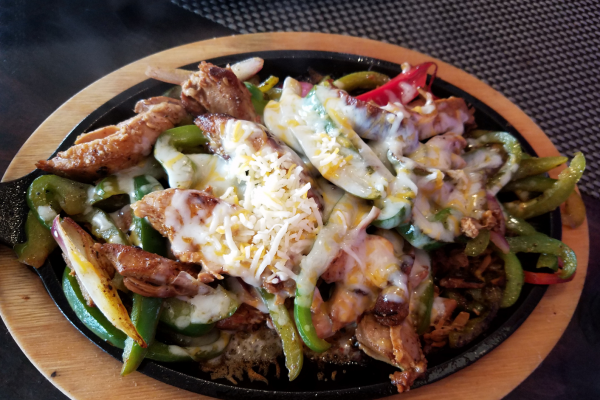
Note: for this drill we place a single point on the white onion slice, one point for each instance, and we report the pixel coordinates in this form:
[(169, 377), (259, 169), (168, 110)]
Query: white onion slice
[(246, 69), (77, 246), (174, 76)]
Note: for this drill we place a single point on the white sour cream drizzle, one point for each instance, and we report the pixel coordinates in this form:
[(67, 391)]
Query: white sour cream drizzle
[(263, 228)]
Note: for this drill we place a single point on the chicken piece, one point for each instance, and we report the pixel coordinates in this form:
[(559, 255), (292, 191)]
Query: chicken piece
[(442, 310), (375, 340), (450, 116), (151, 275), (470, 227), (111, 149), (441, 152), (320, 318), (336, 271), (223, 131), (176, 213), (398, 346), (390, 313), (346, 305), (245, 318), (217, 90), (282, 288)]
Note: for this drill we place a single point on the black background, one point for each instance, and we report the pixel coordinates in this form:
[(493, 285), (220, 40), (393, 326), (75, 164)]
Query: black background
[(51, 50)]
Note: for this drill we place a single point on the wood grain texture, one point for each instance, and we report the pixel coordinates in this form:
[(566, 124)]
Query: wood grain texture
[(83, 371)]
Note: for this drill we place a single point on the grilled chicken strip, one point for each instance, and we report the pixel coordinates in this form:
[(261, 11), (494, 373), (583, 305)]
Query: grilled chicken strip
[(172, 211), (217, 90), (215, 126), (114, 148), (151, 275), (398, 345), (245, 318)]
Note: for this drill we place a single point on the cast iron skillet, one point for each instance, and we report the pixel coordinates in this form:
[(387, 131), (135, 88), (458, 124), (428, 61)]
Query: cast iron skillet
[(352, 381)]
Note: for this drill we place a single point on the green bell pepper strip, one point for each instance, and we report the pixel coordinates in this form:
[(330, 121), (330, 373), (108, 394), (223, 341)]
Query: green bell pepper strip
[(39, 244), (514, 279), (553, 197), (91, 317), (478, 244), (177, 315), (94, 320), (418, 239), (143, 234), (361, 80), (178, 308), (291, 342), (145, 310), (48, 195), (258, 98), (513, 150), (518, 226), (102, 226), (268, 84), (548, 261), (536, 166), (168, 152), (473, 328), (208, 351), (396, 207), (123, 183), (326, 248), (423, 295), (540, 243), (106, 188), (144, 315), (535, 183)]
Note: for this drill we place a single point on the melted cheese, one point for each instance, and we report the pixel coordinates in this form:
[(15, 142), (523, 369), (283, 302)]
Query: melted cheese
[(260, 229)]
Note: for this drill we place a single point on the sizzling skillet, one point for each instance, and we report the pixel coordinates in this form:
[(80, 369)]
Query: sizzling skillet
[(355, 383)]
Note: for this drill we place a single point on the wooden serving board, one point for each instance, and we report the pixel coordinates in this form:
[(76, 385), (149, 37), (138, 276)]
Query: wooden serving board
[(82, 371)]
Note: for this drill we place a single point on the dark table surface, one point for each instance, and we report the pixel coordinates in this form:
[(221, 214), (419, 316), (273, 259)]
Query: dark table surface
[(50, 50)]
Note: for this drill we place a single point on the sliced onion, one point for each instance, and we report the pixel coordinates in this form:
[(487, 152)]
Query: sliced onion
[(306, 87), (500, 242), (246, 69), (77, 246), (174, 76)]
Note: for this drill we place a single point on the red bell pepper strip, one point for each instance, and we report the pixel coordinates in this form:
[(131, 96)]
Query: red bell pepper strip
[(398, 89), (541, 278)]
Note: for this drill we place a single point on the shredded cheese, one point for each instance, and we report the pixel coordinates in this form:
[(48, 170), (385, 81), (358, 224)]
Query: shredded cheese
[(270, 223)]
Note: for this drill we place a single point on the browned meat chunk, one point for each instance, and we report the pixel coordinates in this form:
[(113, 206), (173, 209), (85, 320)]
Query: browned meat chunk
[(246, 318), (389, 313), (459, 283), (375, 340), (213, 125), (154, 205), (398, 346), (470, 227), (112, 149), (337, 269), (217, 90), (450, 115), (151, 275), (408, 355)]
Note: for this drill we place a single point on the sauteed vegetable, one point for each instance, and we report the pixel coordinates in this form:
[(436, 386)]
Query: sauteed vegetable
[(299, 218)]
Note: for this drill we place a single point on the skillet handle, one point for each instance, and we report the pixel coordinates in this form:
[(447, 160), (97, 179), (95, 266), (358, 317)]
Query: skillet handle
[(14, 209)]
